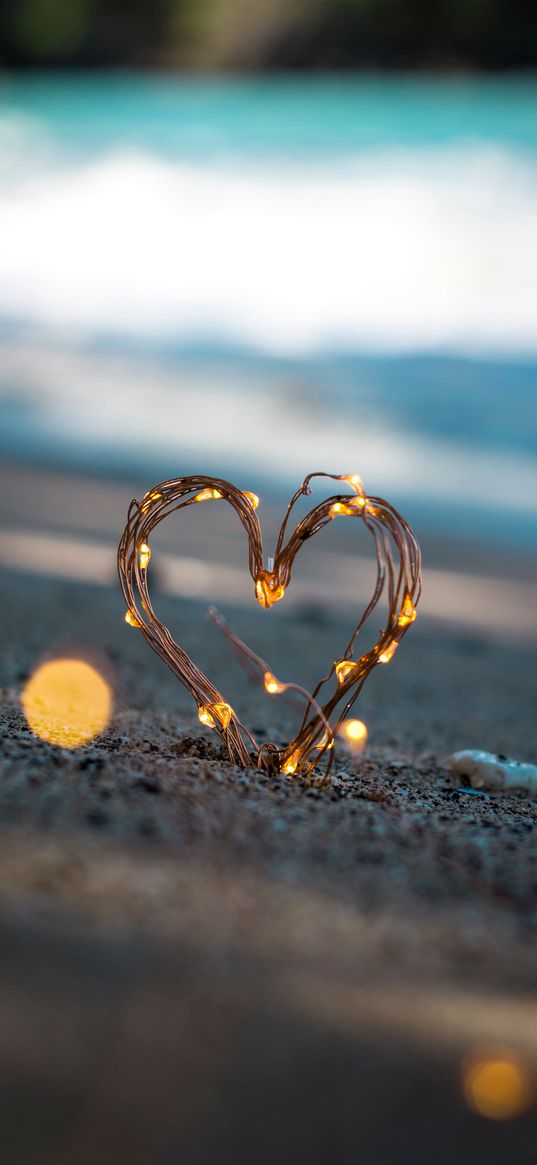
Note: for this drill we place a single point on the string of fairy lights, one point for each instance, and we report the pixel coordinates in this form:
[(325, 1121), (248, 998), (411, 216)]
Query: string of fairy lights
[(398, 578)]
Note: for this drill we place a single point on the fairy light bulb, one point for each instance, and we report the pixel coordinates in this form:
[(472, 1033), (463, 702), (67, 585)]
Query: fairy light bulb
[(350, 507), (408, 612), (268, 589), (354, 481), (291, 764), (148, 501), (252, 498), (131, 619), (272, 685), (343, 669), (223, 712), (207, 495), (145, 555), (388, 652), (209, 714), (354, 731), (326, 741)]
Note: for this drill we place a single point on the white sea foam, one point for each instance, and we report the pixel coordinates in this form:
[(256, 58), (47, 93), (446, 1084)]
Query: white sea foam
[(392, 250), (129, 408)]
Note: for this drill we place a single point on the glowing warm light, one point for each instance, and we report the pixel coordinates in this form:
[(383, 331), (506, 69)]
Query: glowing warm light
[(354, 731), (398, 564), (388, 652), (207, 495), (354, 480), (145, 555), (268, 588), (343, 669), (291, 764), (208, 714), (272, 685), (252, 498), (353, 506), (67, 702), (499, 1088), (148, 501), (408, 612)]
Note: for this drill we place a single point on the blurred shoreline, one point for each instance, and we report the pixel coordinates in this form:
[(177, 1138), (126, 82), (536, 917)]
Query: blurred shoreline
[(257, 278), (431, 432), (62, 527)]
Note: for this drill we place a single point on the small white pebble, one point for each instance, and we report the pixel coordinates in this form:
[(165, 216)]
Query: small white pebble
[(486, 770)]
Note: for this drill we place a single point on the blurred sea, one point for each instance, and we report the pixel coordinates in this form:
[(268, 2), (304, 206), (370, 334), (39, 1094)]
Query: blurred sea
[(262, 277)]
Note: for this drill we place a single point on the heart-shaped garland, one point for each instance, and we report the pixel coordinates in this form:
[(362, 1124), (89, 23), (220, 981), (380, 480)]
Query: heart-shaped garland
[(346, 676)]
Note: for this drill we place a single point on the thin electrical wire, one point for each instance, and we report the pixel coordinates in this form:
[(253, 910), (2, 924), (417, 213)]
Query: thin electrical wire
[(393, 540)]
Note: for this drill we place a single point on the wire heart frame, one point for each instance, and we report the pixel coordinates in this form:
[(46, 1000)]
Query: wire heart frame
[(333, 696)]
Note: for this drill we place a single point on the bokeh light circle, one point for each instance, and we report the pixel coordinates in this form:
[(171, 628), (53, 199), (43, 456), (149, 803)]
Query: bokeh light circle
[(67, 702), (354, 731), (497, 1087)]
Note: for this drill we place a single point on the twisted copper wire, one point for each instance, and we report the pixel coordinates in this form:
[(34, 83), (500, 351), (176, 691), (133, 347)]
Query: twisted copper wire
[(391, 533)]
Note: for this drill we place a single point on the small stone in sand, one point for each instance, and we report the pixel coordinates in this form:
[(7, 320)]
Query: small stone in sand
[(487, 770)]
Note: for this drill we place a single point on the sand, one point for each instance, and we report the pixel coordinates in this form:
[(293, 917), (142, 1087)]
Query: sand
[(203, 964)]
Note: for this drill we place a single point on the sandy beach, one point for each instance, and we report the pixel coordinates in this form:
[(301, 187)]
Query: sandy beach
[(251, 276), (192, 952)]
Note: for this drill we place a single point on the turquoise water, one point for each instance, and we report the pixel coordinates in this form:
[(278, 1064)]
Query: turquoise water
[(329, 271), (195, 118)]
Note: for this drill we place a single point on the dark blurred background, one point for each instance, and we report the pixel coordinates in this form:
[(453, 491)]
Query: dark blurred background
[(270, 34)]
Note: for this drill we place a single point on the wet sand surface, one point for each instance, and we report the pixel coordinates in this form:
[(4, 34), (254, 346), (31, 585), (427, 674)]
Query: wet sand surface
[(200, 963)]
